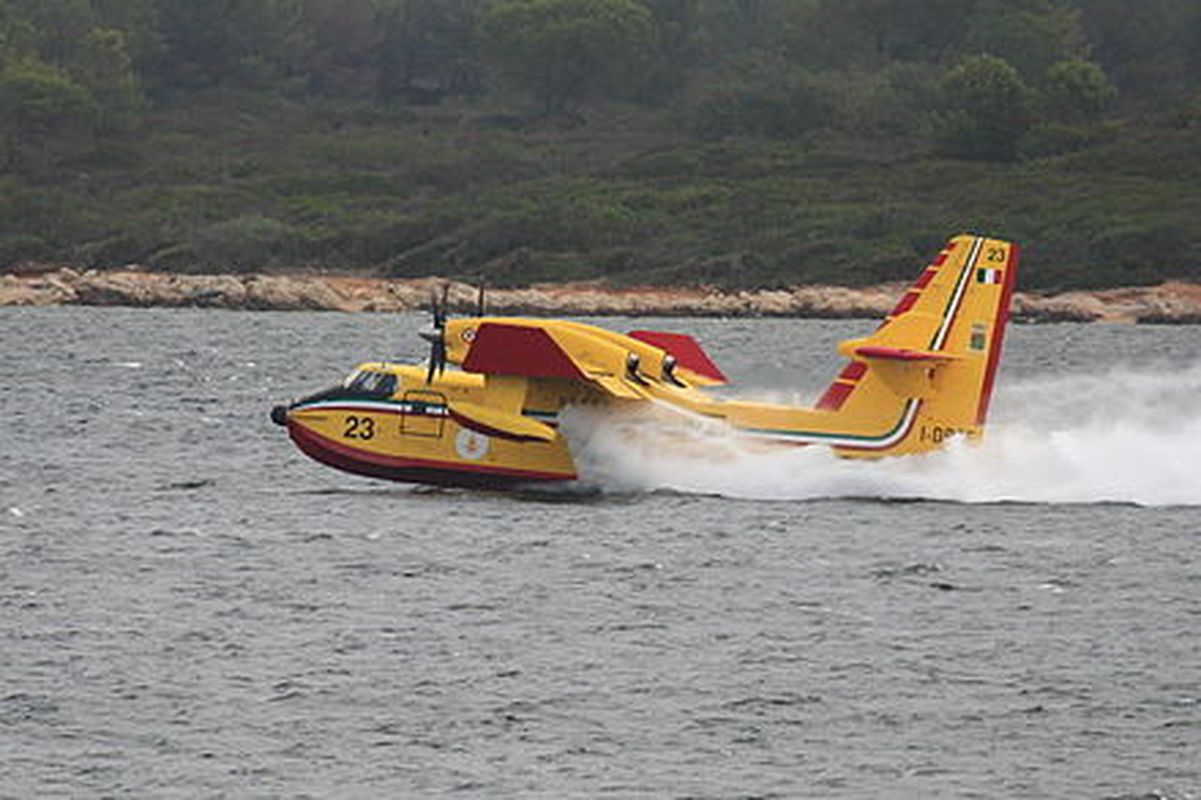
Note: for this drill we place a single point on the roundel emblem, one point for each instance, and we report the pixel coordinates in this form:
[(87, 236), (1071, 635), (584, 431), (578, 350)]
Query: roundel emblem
[(468, 335), (471, 445)]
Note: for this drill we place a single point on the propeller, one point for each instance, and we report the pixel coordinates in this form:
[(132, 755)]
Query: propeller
[(436, 333), (479, 299)]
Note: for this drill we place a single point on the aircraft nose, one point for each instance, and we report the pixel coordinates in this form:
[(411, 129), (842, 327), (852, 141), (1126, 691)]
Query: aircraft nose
[(279, 415)]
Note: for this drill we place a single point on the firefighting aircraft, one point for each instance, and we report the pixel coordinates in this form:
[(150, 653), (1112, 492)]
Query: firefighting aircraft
[(923, 377)]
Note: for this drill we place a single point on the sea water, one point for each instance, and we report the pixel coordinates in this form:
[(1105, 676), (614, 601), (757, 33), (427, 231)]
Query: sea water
[(191, 608)]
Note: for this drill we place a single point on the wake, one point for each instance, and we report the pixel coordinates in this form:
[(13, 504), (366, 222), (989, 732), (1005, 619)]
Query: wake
[(1122, 436)]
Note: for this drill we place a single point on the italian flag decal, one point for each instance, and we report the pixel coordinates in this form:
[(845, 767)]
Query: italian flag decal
[(988, 275)]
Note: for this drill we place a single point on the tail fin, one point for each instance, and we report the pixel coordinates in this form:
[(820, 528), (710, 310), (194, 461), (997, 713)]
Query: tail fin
[(931, 364)]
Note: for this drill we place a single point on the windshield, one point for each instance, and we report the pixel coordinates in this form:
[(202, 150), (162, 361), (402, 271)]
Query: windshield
[(372, 383)]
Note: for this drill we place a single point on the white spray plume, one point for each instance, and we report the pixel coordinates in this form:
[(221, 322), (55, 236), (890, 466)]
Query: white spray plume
[(1122, 436)]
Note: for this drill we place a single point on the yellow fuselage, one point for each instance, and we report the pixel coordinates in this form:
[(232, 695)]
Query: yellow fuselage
[(923, 377)]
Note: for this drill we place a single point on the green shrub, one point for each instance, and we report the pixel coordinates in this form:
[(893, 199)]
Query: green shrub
[(762, 98), (1142, 252), (984, 111), (568, 217), (246, 243), (1056, 139), (366, 238), (890, 103), (17, 248), (42, 222), (1188, 115)]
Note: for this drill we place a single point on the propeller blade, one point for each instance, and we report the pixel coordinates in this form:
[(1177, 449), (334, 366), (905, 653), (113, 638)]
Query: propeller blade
[(436, 333), (437, 360), (438, 357), (479, 300)]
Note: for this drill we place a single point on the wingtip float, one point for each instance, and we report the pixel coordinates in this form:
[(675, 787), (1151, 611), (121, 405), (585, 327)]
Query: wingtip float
[(924, 376)]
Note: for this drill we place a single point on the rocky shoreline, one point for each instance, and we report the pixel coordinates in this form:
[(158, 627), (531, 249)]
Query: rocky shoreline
[(1168, 303)]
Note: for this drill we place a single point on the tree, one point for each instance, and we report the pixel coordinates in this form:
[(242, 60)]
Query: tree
[(247, 43), (139, 22), (17, 37), (874, 32), (1146, 51), (45, 117), (1193, 47), (1030, 35), (1077, 92), (762, 96), (343, 41), (693, 36), (104, 68), (676, 46), (428, 48), (984, 110), (57, 26), (564, 50)]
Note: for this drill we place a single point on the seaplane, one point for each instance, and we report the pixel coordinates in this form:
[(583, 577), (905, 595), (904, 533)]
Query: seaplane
[(485, 410)]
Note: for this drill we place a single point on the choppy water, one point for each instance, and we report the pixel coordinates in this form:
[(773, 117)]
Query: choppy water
[(190, 608)]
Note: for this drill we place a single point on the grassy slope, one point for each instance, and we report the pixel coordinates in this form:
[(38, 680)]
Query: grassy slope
[(244, 182)]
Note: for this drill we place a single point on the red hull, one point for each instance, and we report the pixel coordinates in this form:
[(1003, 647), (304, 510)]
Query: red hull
[(413, 470)]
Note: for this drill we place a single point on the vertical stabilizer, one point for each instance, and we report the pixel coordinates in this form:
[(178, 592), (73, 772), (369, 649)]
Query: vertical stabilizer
[(928, 371)]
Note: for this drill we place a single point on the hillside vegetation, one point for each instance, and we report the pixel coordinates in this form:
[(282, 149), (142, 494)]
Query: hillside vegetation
[(723, 142)]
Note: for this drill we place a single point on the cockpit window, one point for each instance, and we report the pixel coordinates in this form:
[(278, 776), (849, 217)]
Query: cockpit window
[(371, 383)]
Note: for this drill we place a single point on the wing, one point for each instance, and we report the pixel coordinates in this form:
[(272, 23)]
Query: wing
[(617, 365), (511, 352)]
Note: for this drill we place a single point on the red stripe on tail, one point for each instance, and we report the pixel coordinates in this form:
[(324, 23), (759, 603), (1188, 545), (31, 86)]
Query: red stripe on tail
[(906, 302), (924, 279), (835, 396), (853, 371), (944, 255)]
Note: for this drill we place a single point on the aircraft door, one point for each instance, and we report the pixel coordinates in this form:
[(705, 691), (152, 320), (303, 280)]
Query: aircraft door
[(423, 414)]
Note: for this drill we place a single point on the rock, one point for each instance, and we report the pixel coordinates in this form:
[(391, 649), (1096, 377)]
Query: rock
[(1172, 302), (94, 288), (209, 291), (292, 294), (1073, 307), (17, 291)]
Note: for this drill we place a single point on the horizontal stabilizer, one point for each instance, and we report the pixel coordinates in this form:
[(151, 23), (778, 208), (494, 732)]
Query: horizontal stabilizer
[(869, 351), (687, 353), (906, 371), (495, 422)]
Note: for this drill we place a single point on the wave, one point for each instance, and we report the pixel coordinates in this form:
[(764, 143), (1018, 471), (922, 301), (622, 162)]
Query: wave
[(1121, 436)]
